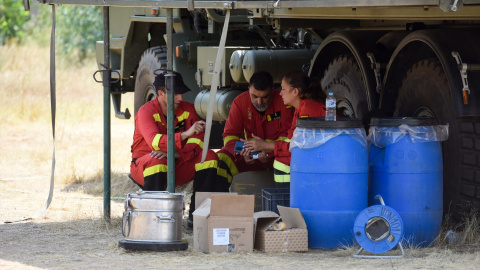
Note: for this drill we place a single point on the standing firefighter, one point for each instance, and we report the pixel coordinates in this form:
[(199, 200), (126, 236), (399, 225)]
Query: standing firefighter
[(149, 148), (257, 113)]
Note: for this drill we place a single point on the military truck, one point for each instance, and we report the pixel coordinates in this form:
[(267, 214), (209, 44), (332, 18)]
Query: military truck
[(380, 57)]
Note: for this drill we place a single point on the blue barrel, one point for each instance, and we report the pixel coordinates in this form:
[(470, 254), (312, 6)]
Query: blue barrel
[(406, 169), (329, 178)]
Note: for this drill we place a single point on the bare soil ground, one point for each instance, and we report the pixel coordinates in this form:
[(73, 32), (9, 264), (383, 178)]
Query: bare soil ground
[(72, 234)]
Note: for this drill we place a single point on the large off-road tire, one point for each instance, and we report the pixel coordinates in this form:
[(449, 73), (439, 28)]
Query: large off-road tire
[(152, 59), (425, 92), (344, 79)]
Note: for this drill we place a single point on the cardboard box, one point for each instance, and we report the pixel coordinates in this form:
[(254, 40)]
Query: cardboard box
[(294, 238), (252, 183), (224, 223)]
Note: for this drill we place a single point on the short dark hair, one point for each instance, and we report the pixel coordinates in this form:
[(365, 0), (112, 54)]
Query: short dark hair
[(261, 80)]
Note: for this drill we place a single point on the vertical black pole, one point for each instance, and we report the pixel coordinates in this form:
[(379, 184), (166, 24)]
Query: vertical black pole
[(106, 115), (170, 107)]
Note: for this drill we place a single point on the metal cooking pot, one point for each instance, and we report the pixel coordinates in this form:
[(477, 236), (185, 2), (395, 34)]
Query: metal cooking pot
[(153, 216)]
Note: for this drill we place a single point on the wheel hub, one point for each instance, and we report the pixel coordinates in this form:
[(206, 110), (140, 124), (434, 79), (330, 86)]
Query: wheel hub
[(425, 112), (150, 93), (345, 108)]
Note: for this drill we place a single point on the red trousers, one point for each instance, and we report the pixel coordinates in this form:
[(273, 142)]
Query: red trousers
[(147, 166)]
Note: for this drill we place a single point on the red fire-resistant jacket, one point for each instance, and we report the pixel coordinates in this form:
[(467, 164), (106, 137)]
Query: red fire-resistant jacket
[(307, 108), (244, 120), (151, 131)]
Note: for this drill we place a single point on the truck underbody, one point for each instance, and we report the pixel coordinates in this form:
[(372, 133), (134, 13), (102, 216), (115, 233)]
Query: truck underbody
[(380, 58)]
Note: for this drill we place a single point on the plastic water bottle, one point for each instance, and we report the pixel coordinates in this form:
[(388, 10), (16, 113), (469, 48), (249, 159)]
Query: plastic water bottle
[(331, 105)]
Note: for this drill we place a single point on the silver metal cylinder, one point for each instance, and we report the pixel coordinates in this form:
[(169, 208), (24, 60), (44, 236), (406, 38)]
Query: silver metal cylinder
[(235, 66), (223, 102), (277, 62), (153, 216)]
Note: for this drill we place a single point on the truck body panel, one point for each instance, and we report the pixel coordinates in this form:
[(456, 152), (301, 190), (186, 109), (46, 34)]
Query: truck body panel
[(366, 52)]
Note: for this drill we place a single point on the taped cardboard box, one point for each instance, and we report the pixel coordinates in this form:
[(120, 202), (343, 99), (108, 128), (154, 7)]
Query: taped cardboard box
[(293, 238), (224, 223)]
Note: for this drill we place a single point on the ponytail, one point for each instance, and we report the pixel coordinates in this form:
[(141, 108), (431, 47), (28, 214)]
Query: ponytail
[(309, 87)]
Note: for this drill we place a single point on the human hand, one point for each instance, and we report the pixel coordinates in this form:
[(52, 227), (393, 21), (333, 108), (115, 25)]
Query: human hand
[(255, 145), (262, 157), (196, 128), (248, 159), (158, 154)]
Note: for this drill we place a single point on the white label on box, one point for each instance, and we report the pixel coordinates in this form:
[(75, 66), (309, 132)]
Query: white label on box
[(221, 237), (210, 67)]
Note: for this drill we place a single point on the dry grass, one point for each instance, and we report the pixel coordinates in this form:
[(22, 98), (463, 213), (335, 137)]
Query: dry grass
[(25, 103), (72, 234)]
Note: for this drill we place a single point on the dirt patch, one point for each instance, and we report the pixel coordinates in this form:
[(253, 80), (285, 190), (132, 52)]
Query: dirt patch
[(72, 233)]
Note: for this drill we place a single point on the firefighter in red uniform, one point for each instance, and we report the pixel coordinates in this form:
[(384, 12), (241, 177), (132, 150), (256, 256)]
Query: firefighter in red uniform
[(307, 96), (149, 148), (256, 113)]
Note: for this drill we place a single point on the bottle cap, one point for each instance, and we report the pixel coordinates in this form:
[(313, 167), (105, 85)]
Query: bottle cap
[(330, 93)]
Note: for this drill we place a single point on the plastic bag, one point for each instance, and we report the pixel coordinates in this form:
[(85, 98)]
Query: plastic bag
[(306, 138), (384, 136)]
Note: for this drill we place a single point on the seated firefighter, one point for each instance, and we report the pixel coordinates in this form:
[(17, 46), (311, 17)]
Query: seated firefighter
[(305, 94), (149, 148), (258, 113)]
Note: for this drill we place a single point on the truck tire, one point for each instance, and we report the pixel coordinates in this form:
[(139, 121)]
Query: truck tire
[(152, 59), (425, 92), (344, 79)]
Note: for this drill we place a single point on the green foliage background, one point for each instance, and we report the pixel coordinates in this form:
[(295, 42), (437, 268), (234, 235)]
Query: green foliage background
[(77, 27), (12, 20)]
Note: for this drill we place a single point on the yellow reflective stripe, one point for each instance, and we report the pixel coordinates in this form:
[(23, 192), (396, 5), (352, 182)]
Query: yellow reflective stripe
[(197, 141), (223, 173), (230, 164), (229, 138), (281, 167), (157, 118), (155, 141), (183, 116), (284, 178), (154, 169), (279, 139), (206, 165)]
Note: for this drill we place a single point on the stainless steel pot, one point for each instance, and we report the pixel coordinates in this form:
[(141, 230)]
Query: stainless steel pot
[(153, 216)]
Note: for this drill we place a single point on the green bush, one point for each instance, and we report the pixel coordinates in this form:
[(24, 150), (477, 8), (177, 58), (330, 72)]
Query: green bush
[(77, 27), (12, 20)]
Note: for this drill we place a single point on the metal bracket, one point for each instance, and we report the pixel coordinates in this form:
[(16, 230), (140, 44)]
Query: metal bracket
[(106, 73), (357, 254), (190, 5), (116, 98), (450, 5), (462, 67), (26, 5), (228, 5), (377, 68)]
